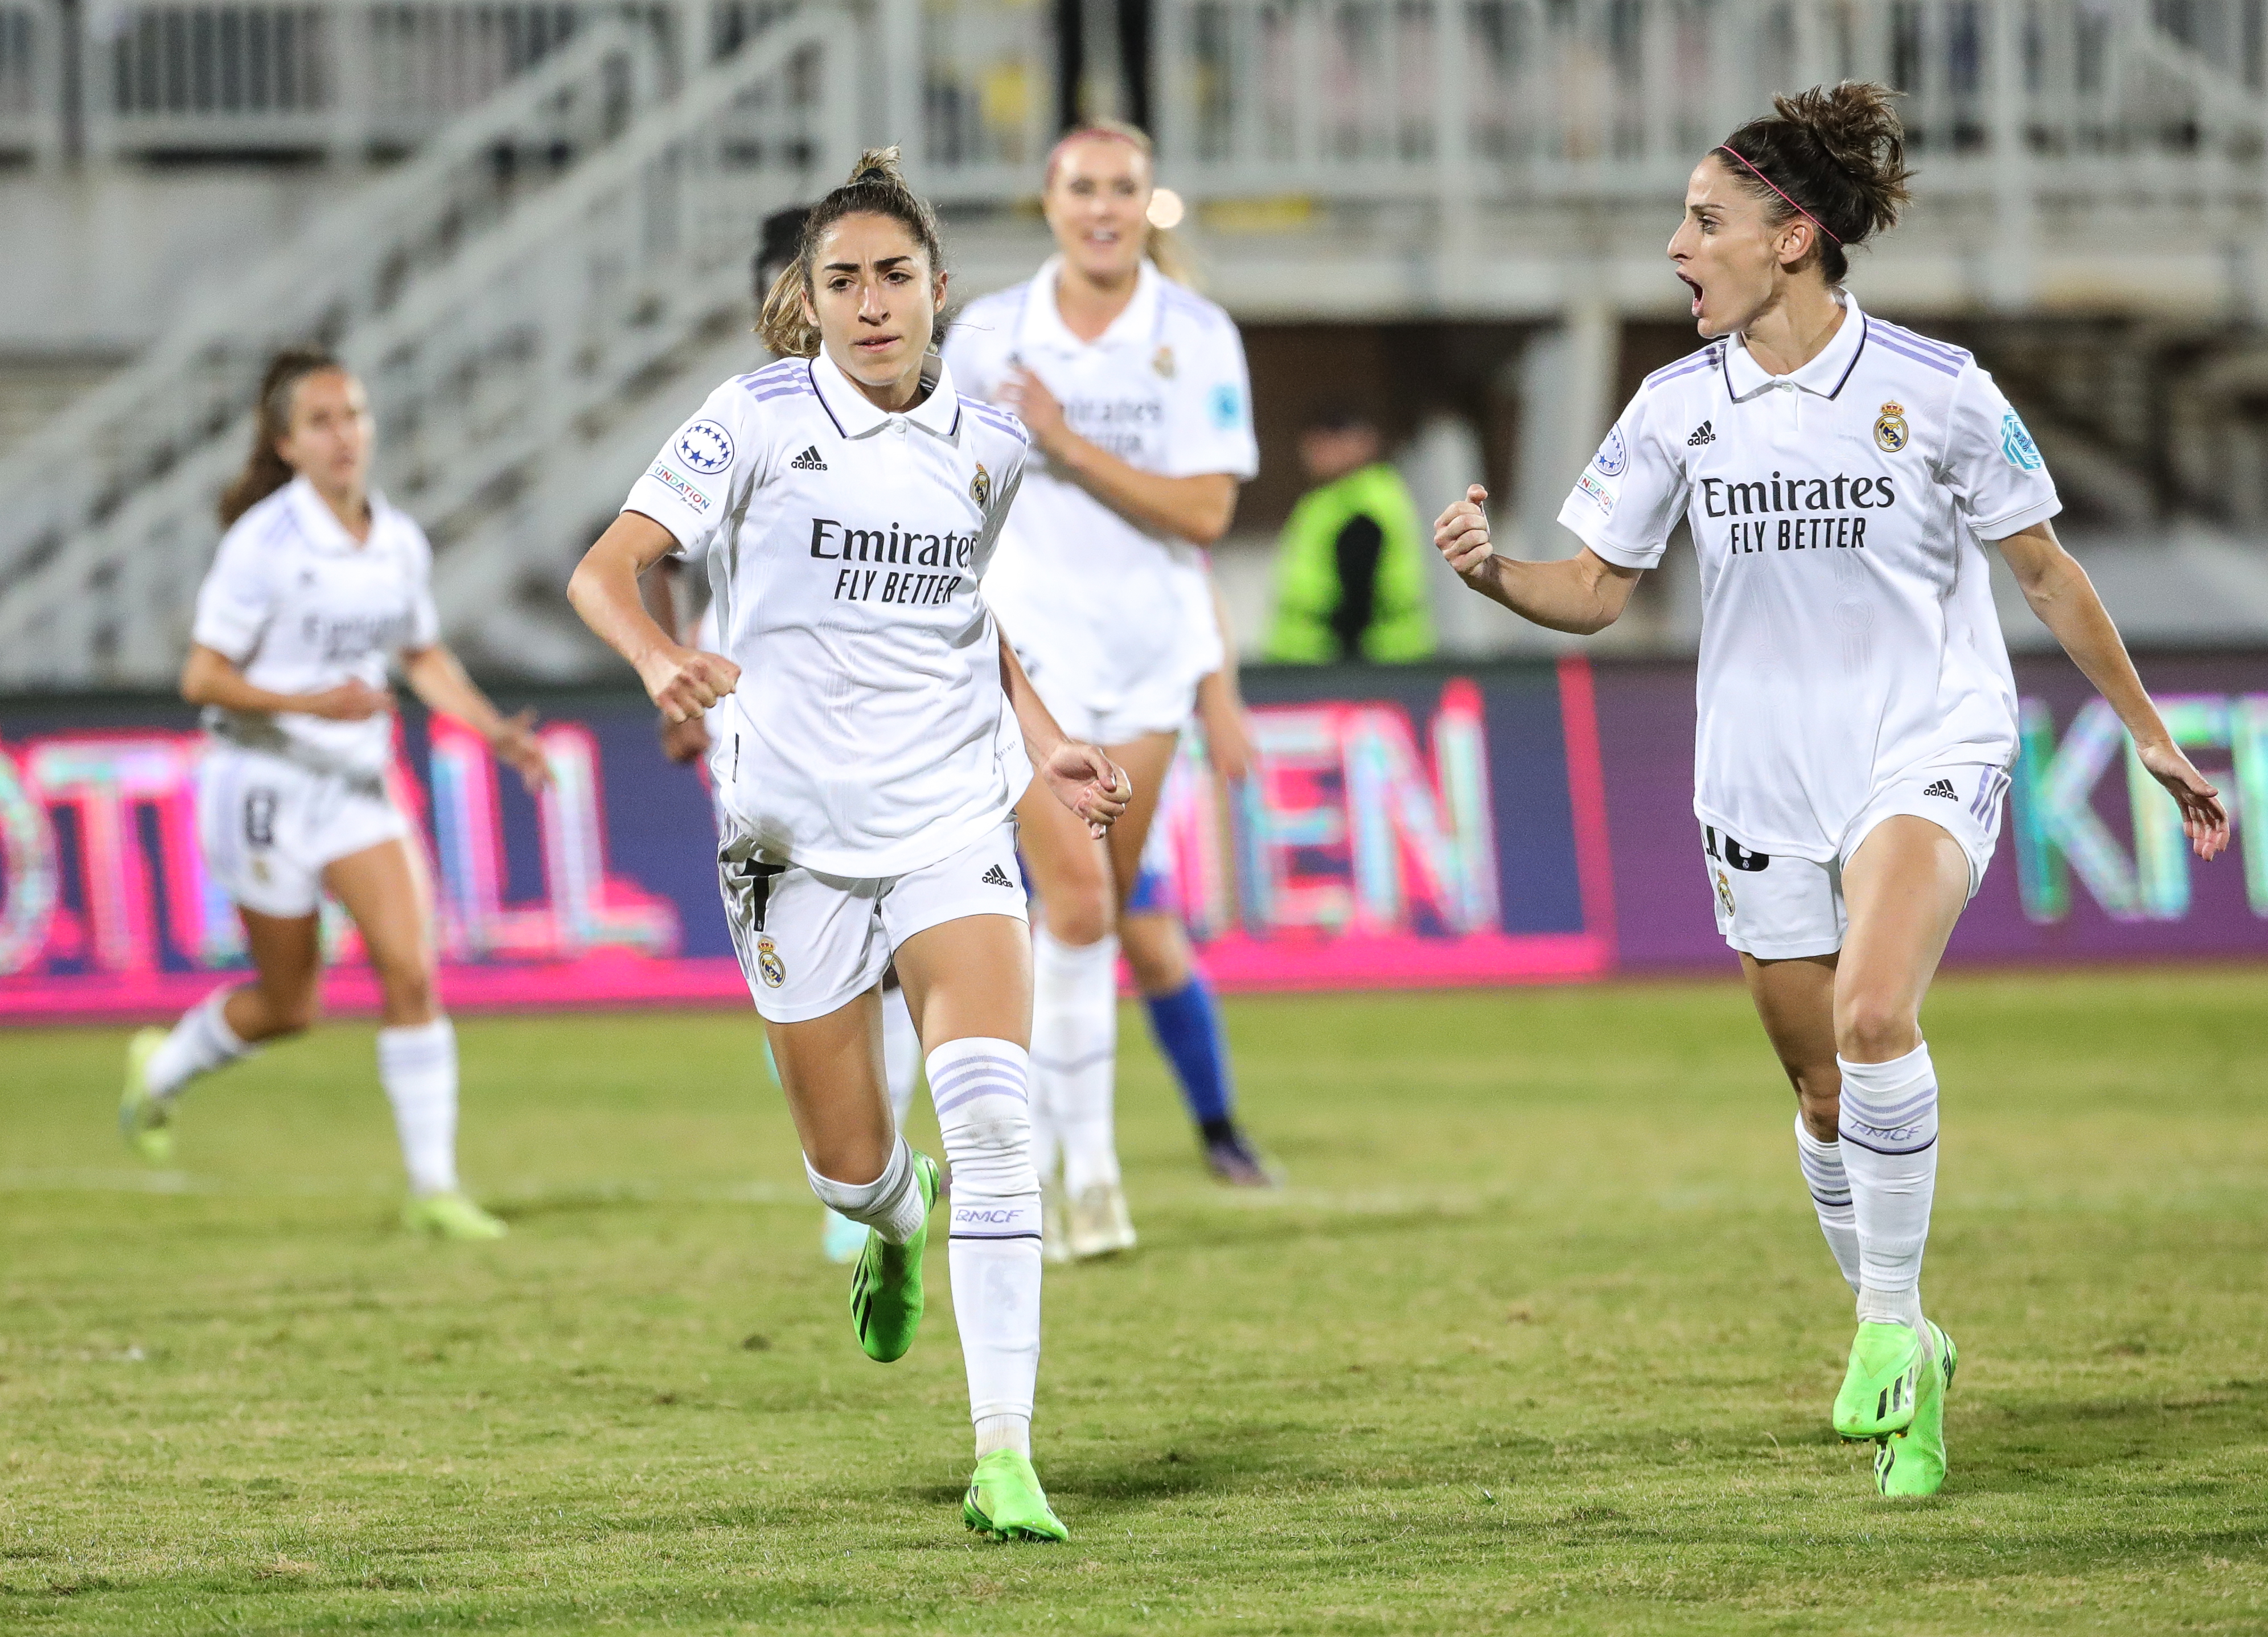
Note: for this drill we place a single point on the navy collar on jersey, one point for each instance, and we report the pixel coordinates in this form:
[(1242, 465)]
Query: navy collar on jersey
[(1823, 376), (854, 416), (1040, 324), (320, 526)]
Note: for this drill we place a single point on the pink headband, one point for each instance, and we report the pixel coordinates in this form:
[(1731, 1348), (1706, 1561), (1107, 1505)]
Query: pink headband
[(1782, 192)]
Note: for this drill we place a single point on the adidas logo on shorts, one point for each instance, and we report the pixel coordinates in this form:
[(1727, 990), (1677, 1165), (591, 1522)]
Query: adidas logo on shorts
[(808, 460), (1943, 787), (1703, 433), (996, 877)]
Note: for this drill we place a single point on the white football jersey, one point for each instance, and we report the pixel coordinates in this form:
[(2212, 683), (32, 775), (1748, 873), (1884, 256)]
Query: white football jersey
[(1099, 604), (1848, 632), (299, 605), (870, 733)]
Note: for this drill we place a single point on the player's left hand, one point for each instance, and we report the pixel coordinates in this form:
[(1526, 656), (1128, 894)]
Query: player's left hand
[(1027, 396), (2205, 818), (1089, 783), (515, 745)]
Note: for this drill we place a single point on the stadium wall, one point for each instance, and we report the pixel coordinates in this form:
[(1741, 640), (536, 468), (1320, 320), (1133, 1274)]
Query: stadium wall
[(1407, 828)]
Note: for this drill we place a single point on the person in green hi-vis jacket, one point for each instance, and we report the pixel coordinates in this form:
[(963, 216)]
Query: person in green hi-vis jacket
[(1350, 564)]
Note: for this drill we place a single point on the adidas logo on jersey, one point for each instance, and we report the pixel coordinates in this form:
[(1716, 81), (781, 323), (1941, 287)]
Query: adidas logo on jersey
[(808, 460), (1943, 787), (1703, 433), (995, 877)]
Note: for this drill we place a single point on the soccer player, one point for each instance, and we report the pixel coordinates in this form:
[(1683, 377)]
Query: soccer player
[(318, 582), (1858, 714), (870, 761), (1134, 389)]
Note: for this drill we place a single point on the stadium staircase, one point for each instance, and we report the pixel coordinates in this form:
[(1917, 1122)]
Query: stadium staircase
[(549, 285)]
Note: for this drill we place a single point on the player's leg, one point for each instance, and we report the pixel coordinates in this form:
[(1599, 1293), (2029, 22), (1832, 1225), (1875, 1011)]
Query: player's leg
[(1904, 889), (249, 812), (840, 1239), (1186, 1023), (1795, 1001), (282, 1000), (383, 888), (968, 984), (1074, 1027)]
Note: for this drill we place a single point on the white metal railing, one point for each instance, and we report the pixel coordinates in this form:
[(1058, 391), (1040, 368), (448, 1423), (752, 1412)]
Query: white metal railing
[(531, 330), (137, 460), (547, 318)]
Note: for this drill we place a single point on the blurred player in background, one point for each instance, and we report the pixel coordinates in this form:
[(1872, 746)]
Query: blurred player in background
[(688, 743), (318, 584), (1134, 389), (1350, 562), (879, 735), (1857, 713)]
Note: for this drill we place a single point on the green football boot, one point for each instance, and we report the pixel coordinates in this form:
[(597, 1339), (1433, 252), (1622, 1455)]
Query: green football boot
[(142, 1118), (885, 1287), (1006, 1501), (1881, 1384), (450, 1216), (1913, 1463)]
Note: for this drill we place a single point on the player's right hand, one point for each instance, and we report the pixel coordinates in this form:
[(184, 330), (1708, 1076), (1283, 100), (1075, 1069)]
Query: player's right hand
[(682, 683), (353, 700), (1462, 532)]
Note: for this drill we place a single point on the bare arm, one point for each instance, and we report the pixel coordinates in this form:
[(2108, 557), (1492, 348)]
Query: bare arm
[(604, 590), (687, 741), (1080, 776), (2065, 599), (436, 677), (210, 677), (1583, 594), (1197, 509), (1220, 702)]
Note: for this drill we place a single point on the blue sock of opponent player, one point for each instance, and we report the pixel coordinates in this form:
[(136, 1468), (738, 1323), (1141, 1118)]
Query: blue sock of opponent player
[(1187, 1025)]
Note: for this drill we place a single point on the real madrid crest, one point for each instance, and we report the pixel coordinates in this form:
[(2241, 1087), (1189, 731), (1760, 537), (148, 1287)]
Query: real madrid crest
[(769, 961), (1890, 429), (1725, 892), (980, 487), (1162, 361)]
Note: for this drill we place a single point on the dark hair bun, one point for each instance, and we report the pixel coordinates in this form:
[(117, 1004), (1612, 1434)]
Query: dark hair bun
[(1839, 151)]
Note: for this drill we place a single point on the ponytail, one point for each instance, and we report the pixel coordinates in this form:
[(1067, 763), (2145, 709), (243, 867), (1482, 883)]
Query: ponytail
[(265, 471), (877, 188)]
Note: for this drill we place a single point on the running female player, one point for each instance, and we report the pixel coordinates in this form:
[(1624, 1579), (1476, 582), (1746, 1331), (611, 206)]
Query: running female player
[(318, 582), (870, 764), (1135, 390), (1857, 713)]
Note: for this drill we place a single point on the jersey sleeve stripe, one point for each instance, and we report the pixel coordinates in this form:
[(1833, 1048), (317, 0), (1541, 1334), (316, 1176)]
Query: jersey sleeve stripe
[(1705, 359), (997, 419), (1943, 365), (1921, 342)]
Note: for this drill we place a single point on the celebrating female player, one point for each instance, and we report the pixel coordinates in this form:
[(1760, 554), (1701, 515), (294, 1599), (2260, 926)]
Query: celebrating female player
[(1134, 389), (1857, 708), (318, 583), (869, 766)]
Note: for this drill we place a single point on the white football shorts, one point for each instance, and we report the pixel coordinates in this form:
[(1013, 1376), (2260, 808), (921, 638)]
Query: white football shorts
[(1779, 908), (268, 827), (810, 943), (1162, 704)]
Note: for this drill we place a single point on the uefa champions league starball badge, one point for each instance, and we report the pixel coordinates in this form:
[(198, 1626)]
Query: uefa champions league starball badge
[(1890, 428), (769, 961), (980, 487)]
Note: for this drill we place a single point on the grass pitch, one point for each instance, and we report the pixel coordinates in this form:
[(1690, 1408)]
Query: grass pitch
[(1543, 1335)]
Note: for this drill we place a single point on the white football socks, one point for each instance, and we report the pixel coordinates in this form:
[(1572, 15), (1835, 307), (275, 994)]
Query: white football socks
[(891, 1204), (417, 1065), (901, 1053), (1889, 1129), (981, 1088), (1823, 1174), (201, 1042), (1075, 1052)]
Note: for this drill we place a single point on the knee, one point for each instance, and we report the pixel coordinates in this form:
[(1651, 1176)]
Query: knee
[(1155, 961), (407, 992), (1872, 1027), (1080, 912)]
